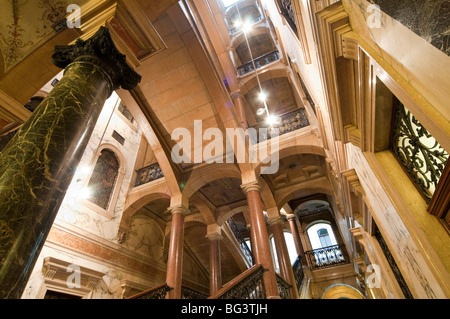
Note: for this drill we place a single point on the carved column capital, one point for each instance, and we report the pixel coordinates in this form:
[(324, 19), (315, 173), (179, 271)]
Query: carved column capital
[(236, 94), (214, 232), (101, 51), (178, 209), (290, 217), (252, 186), (276, 220)]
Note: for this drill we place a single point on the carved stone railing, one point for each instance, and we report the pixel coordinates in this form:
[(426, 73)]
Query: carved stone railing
[(148, 174), (158, 292), (284, 288), (290, 122), (189, 293), (327, 257), (299, 275), (244, 247), (259, 62), (248, 285)]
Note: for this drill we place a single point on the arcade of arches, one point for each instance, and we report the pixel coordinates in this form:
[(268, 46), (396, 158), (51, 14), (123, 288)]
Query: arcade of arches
[(182, 149)]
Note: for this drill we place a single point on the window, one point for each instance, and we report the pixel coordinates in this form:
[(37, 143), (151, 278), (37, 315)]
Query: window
[(321, 235), (324, 237), (418, 152), (103, 179), (125, 112)]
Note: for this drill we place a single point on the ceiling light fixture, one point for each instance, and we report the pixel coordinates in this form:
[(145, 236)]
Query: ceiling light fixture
[(260, 111), (263, 96)]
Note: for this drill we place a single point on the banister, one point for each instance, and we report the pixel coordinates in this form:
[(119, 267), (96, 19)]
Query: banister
[(158, 292), (232, 284)]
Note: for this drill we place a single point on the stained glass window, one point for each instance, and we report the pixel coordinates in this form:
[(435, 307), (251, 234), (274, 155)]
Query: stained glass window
[(103, 178)]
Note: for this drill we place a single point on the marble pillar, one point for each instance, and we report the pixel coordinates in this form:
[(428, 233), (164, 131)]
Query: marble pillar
[(215, 272), (37, 165), (175, 257), (261, 249), (296, 236), (283, 255)]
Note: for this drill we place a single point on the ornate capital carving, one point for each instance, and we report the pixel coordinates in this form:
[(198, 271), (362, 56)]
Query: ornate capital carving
[(276, 220), (179, 209), (99, 50), (252, 186), (214, 232), (236, 94)]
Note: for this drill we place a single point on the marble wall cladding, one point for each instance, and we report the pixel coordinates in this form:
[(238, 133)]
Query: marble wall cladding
[(146, 237), (79, 211), (430, 19)]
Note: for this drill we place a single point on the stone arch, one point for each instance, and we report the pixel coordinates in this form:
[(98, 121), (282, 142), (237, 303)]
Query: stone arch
[(342, 291), (136, 201), (304, 144), (304, 189), (224, 214), (205, 211), (208, 174), (274, 72), (309, 202)]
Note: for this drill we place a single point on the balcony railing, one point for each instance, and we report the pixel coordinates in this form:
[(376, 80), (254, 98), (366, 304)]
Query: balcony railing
[(259, 62), (289, 122), (298, 273), (148, 174), (327, 257), (288, 12), (237, 233), (284, 289)]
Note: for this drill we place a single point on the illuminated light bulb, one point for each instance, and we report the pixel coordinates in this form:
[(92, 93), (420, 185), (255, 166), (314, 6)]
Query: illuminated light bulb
[(83, 170), (85, 193), (262, 96), (260, 111), (246, 26), (272, 119)]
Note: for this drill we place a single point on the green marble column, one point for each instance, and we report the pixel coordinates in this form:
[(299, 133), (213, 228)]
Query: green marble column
[(38, 164)]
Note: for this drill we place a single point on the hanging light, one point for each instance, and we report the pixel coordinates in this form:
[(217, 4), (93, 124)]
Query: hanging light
[(246, 26), (260, 111), (262, 96), (273, 120)]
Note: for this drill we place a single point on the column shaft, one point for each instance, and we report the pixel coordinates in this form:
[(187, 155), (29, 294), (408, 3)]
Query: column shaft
[(296, 236), (175, 258), (283, 258), (262, 246), (38, 164), (215, 272)]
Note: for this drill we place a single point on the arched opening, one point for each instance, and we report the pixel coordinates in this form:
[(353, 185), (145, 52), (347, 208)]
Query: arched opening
[(321, 235), (342, 291), (103, 179)]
